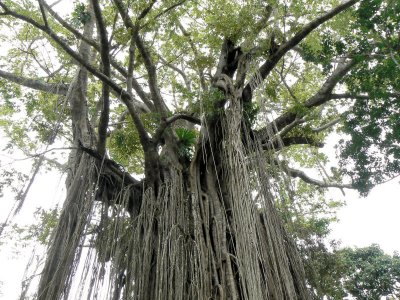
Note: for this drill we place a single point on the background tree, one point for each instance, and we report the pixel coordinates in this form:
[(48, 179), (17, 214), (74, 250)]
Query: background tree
[(331, 271), (213, 103)]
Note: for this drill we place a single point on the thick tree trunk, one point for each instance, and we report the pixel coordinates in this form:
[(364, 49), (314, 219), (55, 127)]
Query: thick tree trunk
[(204, 237), (193, 232), (65, 247), (198, 235)]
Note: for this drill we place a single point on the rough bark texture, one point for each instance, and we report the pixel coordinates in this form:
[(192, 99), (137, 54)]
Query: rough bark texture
[(198, 234), (64, 250)]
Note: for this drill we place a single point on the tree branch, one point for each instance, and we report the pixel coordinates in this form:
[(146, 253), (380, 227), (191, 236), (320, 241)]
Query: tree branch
[(151, 71), (110, 163), (196, 55), (303, 176), (124, 96), (287, 121), (54, 88), (322, 96), (168, 9), (96, 46), (155, 93), (270, 136), (327, 125), (144, 13), (348, 96), (69, 27), (105, 59), (43, 12), (279, 143), (274, 58), (179, 71), (160, 130)]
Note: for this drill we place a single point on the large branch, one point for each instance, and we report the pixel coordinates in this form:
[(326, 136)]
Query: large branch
[(124, 96), (275, 57), (278, 128), (148, 62), (54, 88), (105, 60), (180, 116), (325, 91), (323, 95), (113, 62)]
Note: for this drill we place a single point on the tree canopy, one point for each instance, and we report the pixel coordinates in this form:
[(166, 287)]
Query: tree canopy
[(187, 122)]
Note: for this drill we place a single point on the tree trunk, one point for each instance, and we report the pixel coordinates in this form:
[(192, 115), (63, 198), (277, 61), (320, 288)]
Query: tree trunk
[(194, 231), (207, 238), (197, 234)]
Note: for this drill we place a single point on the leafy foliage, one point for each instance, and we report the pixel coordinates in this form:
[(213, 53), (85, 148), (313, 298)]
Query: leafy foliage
[(186, 142), (40, 231), (334, 272), (80, 15), (373, 149)]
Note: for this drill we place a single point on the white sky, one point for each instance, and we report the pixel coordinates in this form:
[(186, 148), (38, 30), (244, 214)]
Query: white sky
[(374, 219)]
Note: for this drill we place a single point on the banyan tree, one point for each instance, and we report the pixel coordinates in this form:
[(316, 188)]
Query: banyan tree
[(180, 117)]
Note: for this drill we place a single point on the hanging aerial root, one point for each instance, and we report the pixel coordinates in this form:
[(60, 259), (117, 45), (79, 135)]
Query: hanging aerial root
[(64, 251)]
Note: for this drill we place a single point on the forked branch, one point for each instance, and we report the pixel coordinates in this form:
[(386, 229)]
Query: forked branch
[(160, 130), (124, 96), (275, 57)]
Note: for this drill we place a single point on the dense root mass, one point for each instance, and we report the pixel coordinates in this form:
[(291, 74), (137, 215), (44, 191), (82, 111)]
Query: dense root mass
[(203, 236)]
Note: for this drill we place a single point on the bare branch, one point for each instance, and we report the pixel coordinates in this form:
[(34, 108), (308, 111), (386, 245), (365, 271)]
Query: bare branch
[(131, 64), (329, 124), (348, 96), (287, 86), (277, 144), (179, 71), (323, 95), (54, 88), (303, 176)]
